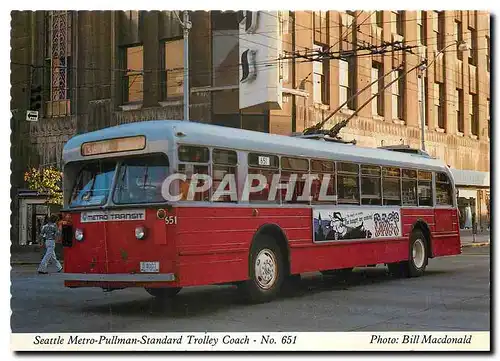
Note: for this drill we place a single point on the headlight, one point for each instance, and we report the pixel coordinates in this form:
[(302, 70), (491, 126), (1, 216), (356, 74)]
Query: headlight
[(140, 232), (79, 234)]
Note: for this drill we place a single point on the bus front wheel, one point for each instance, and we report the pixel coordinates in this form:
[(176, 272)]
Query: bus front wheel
[(417, 259), (163, 292), (266, 271)]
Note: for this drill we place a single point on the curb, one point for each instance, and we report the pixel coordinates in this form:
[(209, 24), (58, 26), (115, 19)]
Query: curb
[(478, 244), (25, 263)]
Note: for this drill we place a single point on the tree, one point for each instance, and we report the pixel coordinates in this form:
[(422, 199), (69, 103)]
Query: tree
[(46, 181)]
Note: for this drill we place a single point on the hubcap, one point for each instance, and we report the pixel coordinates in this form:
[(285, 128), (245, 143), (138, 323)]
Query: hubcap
[(266, 269), (418, 253)]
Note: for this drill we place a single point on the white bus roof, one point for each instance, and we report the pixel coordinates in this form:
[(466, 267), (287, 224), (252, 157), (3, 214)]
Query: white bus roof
[(161, 136)]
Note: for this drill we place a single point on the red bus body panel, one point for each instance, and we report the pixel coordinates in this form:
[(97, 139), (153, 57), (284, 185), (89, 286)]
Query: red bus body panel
[(210, 245)]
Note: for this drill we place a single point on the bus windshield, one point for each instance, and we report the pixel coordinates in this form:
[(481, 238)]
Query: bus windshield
[(140, 180), (93, 184)]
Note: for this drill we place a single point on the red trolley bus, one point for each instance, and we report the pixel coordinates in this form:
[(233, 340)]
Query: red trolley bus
[(290, 206)]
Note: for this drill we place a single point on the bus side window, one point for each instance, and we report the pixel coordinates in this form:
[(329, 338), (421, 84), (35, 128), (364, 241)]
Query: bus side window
[(195, 161), (266, 165), (323, 169), (443, 189), (409, 185), (391, 186), (370, 185), (348, 183), (224, 163), (424, 188), (299, 167)]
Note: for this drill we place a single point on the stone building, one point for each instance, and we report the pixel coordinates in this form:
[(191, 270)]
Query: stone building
[(94, 69)]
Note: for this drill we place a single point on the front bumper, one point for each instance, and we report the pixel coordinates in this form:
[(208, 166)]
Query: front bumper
[(119, 277)]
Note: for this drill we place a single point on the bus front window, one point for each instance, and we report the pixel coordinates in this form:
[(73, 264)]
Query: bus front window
[(93, 184), (140, 180)]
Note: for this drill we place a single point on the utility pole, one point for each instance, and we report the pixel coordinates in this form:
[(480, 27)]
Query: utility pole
[(186, 24), (422, 108)]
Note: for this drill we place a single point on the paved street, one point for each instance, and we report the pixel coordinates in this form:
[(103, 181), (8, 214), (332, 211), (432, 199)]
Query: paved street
[(453, 295)]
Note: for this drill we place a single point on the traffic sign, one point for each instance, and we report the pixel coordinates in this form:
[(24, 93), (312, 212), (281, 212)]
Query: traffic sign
[(32, 115)]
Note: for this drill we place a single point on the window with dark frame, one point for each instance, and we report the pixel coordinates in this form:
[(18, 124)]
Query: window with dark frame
[(398, 94), (195, 160), (443, 189), (409, 187), (423, 28), (371, 193), (425, 188), (473, 47), (174, 69), (224, 162), (399, 22), (460, 107), (346, 83), (299, 167), (420, 27), (473, 113), (379, 18), (377, 88), (266, 165), (441, 33), (56, 88), (391, 186), (441, 108), (459, 38), (134, 74), (320, 26), (321, 79), (323, 169), (348, 183)]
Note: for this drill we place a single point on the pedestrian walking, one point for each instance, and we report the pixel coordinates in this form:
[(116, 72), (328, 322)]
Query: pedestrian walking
[(49, 233)]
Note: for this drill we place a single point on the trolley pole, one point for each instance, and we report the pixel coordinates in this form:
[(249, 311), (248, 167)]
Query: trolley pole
[(186, 24)]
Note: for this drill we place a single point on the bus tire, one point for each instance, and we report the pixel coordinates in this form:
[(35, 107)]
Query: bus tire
[(266, 271), (163, 293), (419, 256)]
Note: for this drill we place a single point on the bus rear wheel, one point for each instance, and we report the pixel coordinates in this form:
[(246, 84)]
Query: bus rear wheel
[(417, 259), (266, 271), (163, 293)]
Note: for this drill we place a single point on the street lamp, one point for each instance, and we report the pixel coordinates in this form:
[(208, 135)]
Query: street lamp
[(461, 46)]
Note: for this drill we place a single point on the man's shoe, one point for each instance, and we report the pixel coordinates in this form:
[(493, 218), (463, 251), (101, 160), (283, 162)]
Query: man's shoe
[(59, 271), (42, 273)]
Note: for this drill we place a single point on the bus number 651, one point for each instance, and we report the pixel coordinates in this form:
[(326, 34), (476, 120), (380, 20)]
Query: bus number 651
[(171, 220)]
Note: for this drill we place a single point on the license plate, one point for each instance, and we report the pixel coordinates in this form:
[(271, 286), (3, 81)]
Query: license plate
[(150, 267)]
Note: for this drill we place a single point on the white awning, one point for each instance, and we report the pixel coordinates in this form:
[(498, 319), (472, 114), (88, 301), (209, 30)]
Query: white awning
[(467, 193), (470, 178)]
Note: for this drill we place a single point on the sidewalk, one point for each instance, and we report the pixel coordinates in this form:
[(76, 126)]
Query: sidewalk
[(468, 239), (21, 255)]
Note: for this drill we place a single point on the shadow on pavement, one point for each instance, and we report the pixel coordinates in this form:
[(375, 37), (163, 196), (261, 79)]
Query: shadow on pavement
[(197, 302)]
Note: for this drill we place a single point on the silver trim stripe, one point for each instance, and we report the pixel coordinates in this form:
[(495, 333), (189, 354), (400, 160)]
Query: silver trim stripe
[(120, 277)]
